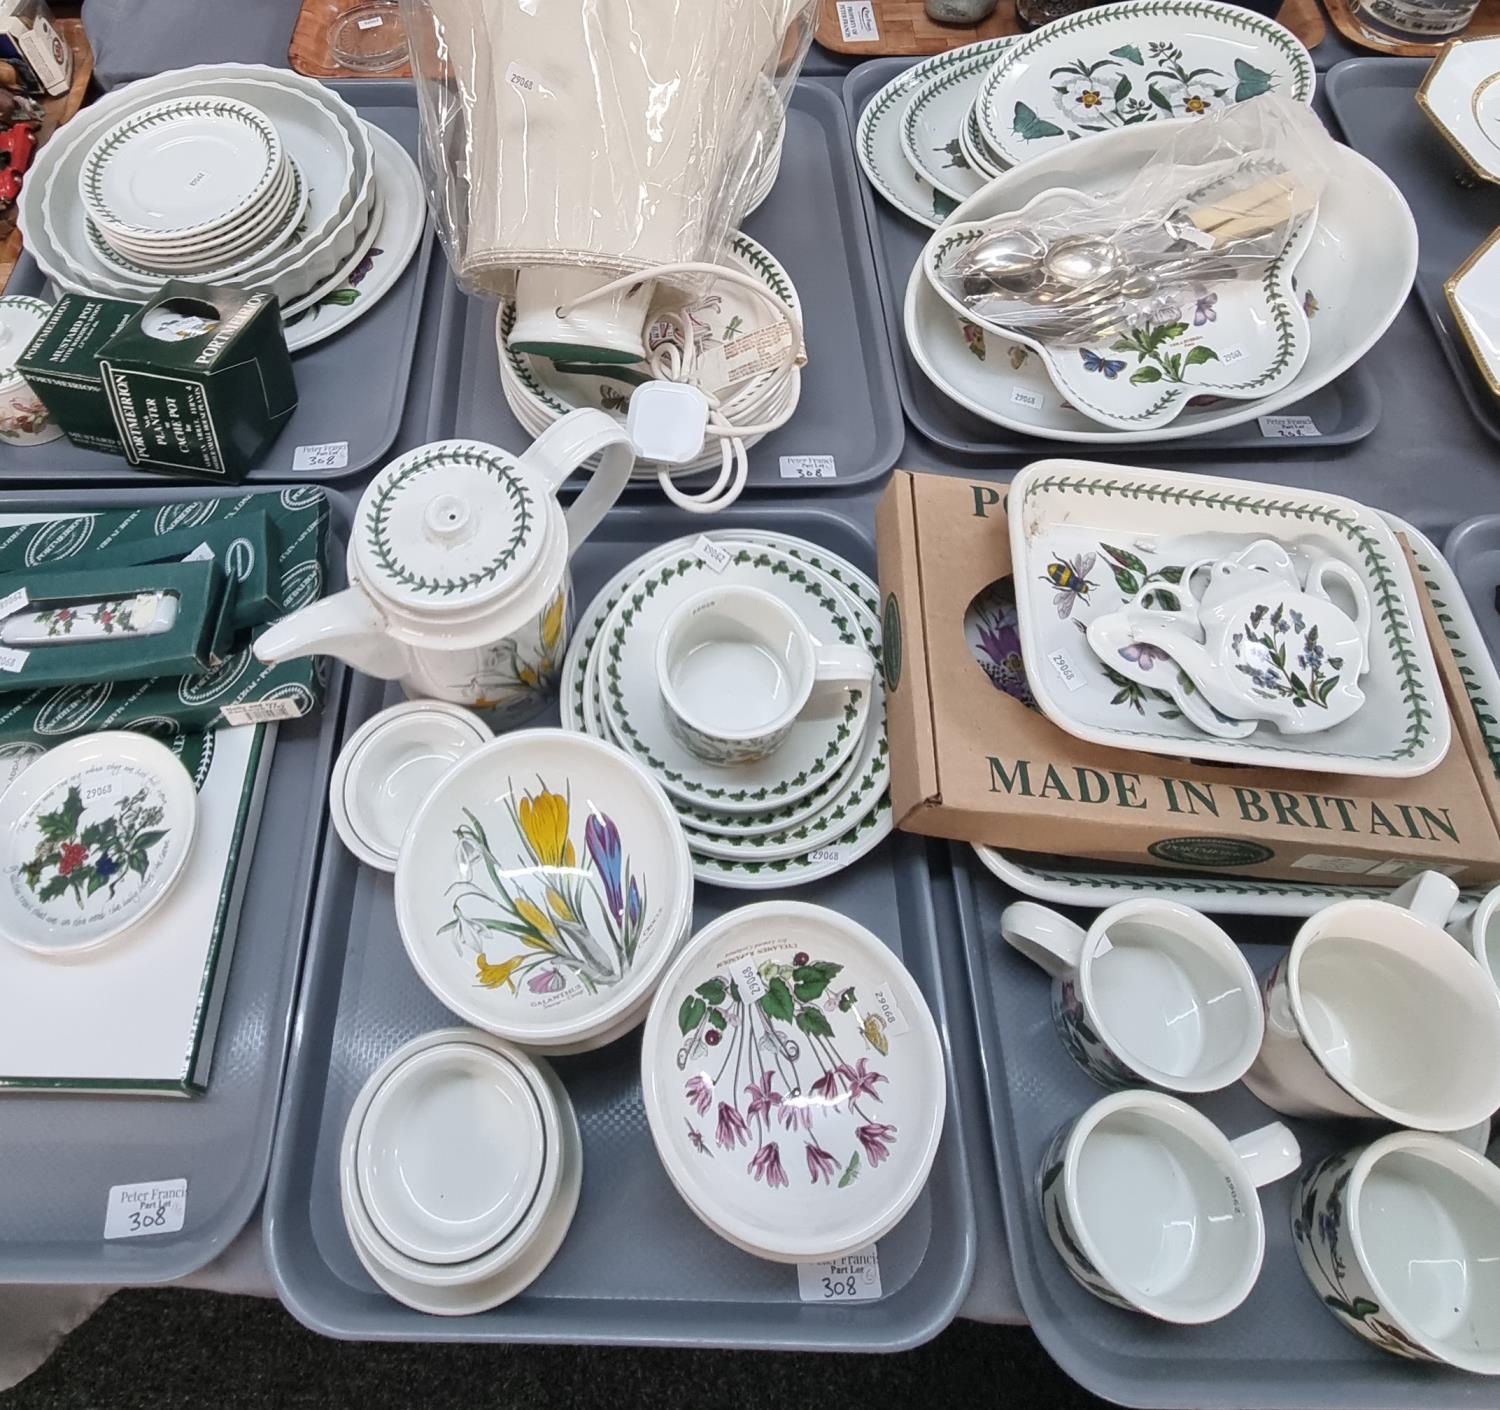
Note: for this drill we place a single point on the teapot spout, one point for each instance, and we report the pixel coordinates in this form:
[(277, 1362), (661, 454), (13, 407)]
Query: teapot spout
[(347, 625)]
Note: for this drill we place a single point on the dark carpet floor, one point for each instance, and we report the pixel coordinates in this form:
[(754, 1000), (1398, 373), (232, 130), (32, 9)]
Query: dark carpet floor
[(171, 1350)]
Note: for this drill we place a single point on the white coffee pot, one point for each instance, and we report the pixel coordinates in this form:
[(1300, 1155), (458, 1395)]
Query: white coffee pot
[(458, 569)]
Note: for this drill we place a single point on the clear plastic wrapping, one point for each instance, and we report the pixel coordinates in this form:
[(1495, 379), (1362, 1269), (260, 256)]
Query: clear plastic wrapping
[(606, 135), (1219, 200)]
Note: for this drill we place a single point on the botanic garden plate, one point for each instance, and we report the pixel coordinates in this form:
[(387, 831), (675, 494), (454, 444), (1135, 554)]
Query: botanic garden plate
[(1461, 95), (935, 113), (543, 886), (1086, 538), (823, 737), (793, 1082), (1134, 62), (93, 836)]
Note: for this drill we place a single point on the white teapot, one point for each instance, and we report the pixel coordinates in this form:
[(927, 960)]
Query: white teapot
[(458, 569)]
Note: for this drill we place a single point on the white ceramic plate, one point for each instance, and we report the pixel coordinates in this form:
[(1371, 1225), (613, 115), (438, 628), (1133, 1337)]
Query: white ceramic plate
[(1461, 95), (93, 836), (1133, 63), (877, 137), (825, 734), (543, 886), (931, 123), (1125, 527), (1474, 296), (1359, 286), (793, 1081), (181, 169)]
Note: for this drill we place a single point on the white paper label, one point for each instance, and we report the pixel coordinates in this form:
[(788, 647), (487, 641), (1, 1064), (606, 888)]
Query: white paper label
[(751, 986), (12, 658), (884, 1006), (261, 712), (153, 1207), (525, 81), (857, 21), (1287, 428), (808, 467), (1406, 870), (1067, 672), (1024, 396), (199, 554), (13, 602), (820, 855), (715, 555), (1232, 355), (1321, 861), (373, 22), (749, 355), (853, 1278), (331, 455)]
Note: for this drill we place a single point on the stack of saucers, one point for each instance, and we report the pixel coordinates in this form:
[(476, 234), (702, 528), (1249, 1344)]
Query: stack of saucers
[(459, 1172), (540, 391), (820, 799), (234, 174)]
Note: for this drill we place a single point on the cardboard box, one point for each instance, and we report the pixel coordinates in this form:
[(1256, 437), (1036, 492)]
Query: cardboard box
[(200, 381), (972, 763), (61, 364)]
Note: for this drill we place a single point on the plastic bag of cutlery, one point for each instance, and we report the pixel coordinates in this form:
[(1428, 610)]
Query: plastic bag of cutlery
[(1222, 199)]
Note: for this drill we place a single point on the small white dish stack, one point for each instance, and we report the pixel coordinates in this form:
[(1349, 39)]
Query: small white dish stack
[(459, 1172)]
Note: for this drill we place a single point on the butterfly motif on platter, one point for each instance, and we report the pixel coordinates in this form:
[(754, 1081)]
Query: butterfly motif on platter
[(1111, 367)]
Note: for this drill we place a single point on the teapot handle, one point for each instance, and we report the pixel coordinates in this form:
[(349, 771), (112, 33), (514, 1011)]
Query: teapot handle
[(1336, 568), (1189, 601), (567, 444)]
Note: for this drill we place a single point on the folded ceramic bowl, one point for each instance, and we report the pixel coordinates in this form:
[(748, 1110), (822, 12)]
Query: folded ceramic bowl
[(543, 887), (794, 1082)]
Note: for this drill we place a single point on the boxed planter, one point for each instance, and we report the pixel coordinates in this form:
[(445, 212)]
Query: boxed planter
[(971, 761)]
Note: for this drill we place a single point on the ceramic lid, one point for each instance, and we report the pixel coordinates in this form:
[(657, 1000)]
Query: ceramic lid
[(21, 319), (793, 1081), (452, 528), (543, 887)]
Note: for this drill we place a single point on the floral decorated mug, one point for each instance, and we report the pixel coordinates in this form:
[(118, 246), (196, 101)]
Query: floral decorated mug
[(1153, 991), (1401, 1239)]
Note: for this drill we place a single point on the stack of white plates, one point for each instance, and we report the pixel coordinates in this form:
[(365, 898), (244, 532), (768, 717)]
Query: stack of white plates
[(822, 800), (232, 174), (459, 1172), (540, 391)]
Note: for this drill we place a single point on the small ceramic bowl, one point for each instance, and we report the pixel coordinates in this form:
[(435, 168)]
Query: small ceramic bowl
[(794, 1082), (543, 887), (522, 1253), (390, 765)]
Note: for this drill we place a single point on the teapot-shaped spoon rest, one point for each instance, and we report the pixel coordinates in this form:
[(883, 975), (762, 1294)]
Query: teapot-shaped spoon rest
[(1271, 651), (458, 569)]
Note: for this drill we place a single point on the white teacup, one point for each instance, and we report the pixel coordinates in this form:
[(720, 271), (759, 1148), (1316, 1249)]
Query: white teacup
[(1153, 992), (1401, 1240), (1374, 1012), (1479, 933), (736, 666), (1154, 1209)]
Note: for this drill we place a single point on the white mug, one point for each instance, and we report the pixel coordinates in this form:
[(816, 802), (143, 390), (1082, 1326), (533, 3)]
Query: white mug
[(1151, 1207), (1479, 933), (1374, 1012), (1153, 992), (736, 666), (1401, 1240)]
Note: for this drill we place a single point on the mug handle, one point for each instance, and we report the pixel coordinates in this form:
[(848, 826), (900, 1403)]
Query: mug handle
[(1430, 896), (564, 446), (843, 665), (1044, 937), (1337, 568), (1270, 1153)]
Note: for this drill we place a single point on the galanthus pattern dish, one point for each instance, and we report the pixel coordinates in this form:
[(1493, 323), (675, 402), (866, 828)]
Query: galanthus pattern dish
[(793, 1082)]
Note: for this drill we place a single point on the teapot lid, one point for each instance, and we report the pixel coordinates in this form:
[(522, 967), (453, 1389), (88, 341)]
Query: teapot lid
[(451, 526)]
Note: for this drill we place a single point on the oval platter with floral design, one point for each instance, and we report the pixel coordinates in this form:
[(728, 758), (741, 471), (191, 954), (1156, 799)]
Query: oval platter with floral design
[(793, 1082), (1132, 62)]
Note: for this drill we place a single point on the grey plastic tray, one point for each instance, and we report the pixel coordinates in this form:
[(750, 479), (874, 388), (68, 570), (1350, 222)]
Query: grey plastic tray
[(1375, 104), (60, 1153), (1281, 1349), (1346, 410), (351, 387), (638, 1267), (814, 223), (1473, 549)]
